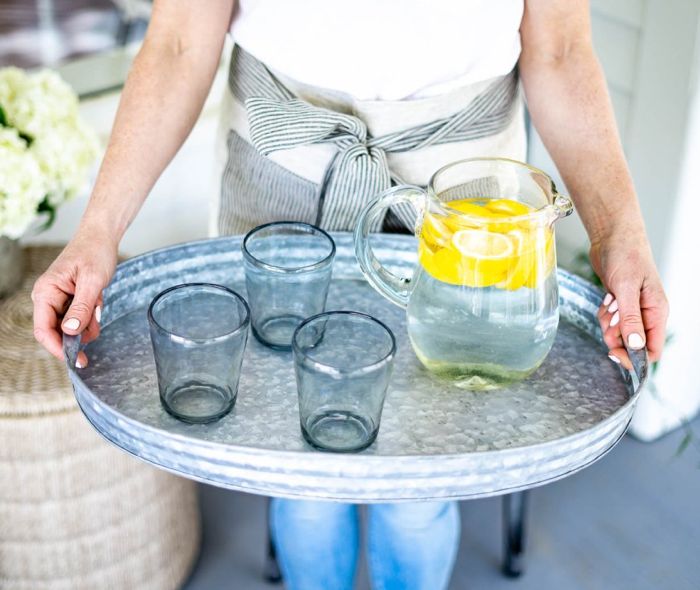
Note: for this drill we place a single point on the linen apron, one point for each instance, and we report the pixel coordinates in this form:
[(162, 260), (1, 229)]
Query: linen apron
[(293, 152)]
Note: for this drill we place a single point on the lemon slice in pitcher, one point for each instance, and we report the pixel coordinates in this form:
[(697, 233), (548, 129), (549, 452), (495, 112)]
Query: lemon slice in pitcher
[(508, 207), (474, 215), (435, 233), (485, 256), (482, 245), (475, 207), (524, 263)]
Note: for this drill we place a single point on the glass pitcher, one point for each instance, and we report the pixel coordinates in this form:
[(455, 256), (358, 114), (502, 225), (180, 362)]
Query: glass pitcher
[(482, 304)]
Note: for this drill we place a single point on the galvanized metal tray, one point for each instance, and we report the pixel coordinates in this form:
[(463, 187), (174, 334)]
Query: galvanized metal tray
[(434, 442)]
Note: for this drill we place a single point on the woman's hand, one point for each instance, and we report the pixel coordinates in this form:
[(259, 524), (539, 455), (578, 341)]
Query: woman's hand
[(635, 308), (81, 272)]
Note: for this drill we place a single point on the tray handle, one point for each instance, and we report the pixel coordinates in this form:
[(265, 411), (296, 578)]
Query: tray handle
[(640, 366), (71, 348)]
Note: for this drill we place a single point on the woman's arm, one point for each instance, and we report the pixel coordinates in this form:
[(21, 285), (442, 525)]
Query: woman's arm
[(162, 98), (570, 107)]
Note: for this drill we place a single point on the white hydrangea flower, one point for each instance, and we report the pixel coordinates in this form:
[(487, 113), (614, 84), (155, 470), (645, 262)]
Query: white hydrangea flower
[(45, 139), (22, 187), (36, 103), (64, 157), (13, 82)]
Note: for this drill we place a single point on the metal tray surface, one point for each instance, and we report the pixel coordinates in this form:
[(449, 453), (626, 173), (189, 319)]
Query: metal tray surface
[(435, 441)]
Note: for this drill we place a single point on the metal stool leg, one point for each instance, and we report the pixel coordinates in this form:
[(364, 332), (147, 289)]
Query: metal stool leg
[(514, 515), (271, 569)]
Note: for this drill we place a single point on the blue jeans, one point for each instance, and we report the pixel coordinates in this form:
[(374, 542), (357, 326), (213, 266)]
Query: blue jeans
[(410, 546)]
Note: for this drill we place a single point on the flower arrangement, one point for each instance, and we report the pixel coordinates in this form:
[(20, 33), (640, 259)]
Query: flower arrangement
[(46, 149)]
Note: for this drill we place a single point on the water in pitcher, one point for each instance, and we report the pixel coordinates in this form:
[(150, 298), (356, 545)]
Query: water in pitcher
[(483, 311)]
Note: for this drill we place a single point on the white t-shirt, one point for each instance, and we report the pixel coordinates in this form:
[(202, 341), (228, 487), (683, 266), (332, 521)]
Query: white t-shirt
[(383, 49)]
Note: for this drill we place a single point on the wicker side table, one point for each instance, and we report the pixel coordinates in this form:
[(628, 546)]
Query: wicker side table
[(74, 511)]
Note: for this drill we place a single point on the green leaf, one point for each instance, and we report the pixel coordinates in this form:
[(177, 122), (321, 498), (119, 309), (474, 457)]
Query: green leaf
[(46, 208), (654, 367), (684, 444), (581, 266), (4, 123), (581, 258), (28, 138), (655, 364)]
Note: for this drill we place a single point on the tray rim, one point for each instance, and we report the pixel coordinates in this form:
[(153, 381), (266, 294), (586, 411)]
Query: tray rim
[(561, 273), (243, 454), (365, 498)]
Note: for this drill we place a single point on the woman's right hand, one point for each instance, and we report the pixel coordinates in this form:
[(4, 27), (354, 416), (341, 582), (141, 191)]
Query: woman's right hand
[(68, 296)]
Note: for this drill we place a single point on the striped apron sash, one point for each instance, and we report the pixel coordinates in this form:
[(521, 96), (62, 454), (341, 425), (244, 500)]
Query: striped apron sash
[(279, 120)]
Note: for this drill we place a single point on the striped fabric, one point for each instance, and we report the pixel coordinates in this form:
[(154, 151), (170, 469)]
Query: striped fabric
[(359, 170), (257, 190)]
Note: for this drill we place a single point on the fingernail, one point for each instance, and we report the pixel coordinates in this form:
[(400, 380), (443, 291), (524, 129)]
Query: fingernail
[(608, 299), (613, 307), (615, 319), (79, 364), (72, 324), (614, 359), (98, 314), (635, 341)]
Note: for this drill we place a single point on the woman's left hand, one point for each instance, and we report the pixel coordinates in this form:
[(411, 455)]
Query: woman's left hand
[(635, 308)]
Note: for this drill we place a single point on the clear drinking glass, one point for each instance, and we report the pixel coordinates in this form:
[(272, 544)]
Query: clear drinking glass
[(288, 268), (199, 333), (482, 304), (343, 362)]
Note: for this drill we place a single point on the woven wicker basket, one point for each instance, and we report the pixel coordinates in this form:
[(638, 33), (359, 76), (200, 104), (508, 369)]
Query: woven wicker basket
[(74, 511)]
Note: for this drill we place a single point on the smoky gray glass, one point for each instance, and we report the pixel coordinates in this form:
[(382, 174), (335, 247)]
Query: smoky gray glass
[(288, 268), (199, 333), (343, 362)]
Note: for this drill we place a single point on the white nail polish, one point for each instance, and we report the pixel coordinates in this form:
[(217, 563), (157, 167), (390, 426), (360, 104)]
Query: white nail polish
[(608, 299), (613, 307), (635, 341), (72, 324), (79, 364), (98, 314), (614, 359), (615, 319)]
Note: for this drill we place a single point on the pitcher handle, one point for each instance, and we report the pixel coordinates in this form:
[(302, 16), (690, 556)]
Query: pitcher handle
[(395, 289)]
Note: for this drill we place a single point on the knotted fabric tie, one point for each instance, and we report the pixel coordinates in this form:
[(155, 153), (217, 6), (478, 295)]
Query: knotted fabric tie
[(359, 170)]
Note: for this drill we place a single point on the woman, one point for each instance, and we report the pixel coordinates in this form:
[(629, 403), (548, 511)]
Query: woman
[(308, 83)]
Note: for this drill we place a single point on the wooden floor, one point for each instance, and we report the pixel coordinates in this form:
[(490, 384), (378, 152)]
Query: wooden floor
[(632, 520)]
